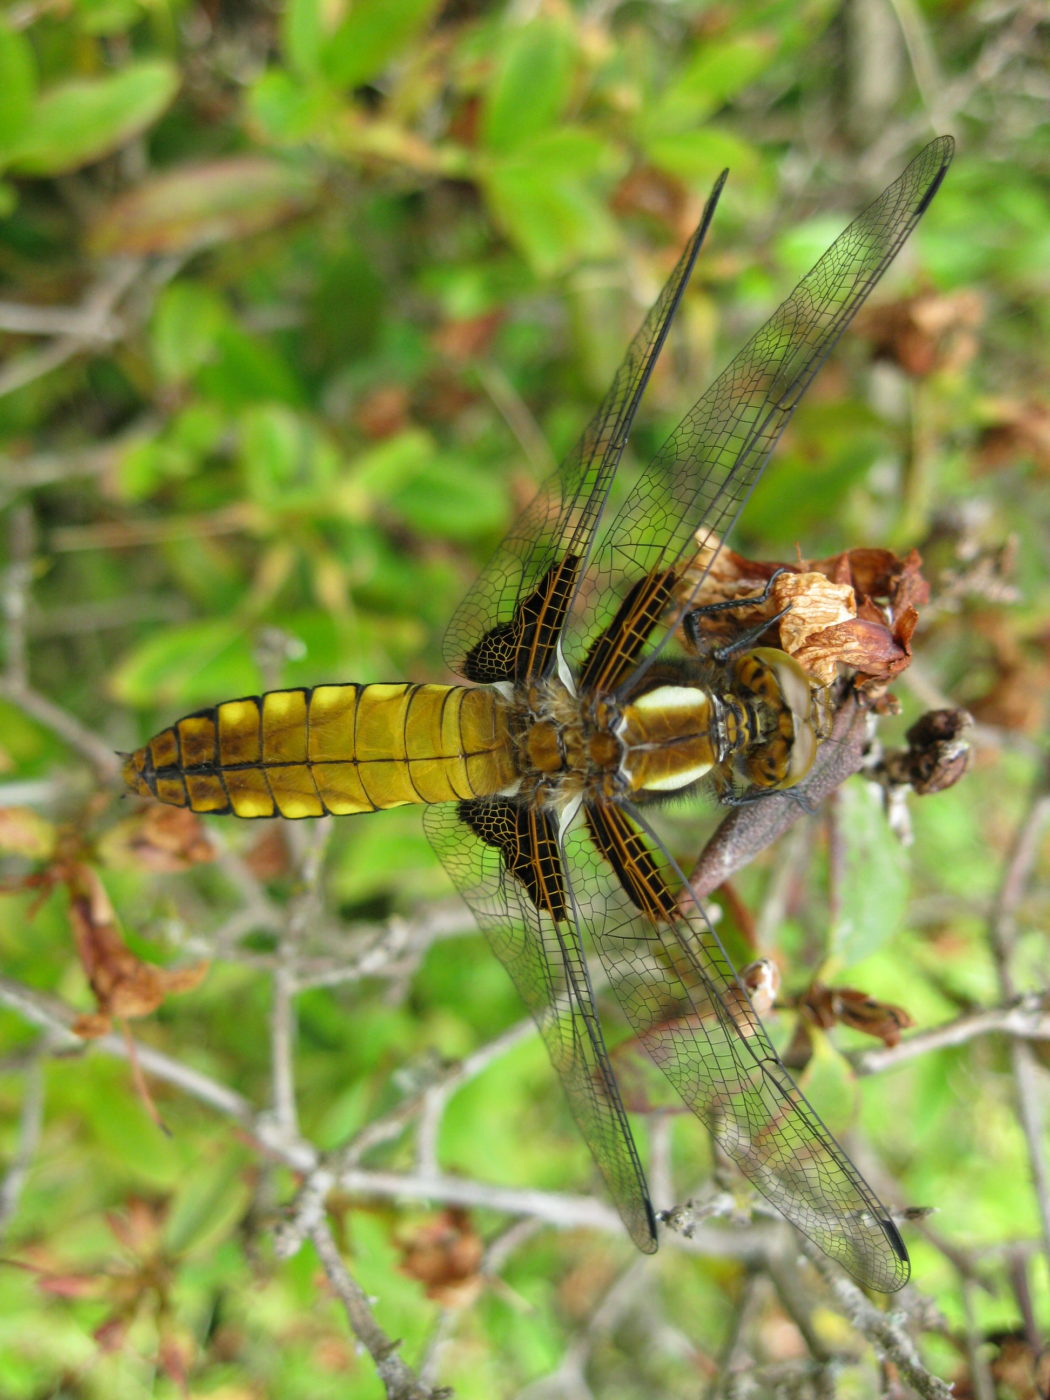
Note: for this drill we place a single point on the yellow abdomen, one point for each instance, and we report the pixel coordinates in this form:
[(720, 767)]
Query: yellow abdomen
[(335, 749)]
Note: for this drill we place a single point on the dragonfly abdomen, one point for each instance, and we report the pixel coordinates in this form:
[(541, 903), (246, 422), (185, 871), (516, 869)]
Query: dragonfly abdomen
[(332, 749)]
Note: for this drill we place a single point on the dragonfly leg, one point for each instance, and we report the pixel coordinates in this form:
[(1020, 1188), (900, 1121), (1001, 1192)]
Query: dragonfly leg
[(691, 620)]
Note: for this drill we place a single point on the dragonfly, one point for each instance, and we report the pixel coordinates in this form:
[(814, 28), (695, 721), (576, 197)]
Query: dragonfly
[(588, 696)]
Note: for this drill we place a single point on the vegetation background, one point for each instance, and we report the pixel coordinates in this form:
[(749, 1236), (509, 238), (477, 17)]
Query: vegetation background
[(299, 302)]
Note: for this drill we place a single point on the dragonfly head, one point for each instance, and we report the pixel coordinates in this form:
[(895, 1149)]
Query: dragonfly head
[(793, 719)]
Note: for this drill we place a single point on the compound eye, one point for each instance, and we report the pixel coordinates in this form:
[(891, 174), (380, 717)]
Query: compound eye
[(803, 752)]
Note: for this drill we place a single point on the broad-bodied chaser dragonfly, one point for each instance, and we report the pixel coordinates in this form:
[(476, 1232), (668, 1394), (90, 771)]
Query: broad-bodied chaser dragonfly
[(589, 697)]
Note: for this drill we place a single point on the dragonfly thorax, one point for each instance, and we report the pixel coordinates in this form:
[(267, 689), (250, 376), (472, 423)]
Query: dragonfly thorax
[(752, 723)]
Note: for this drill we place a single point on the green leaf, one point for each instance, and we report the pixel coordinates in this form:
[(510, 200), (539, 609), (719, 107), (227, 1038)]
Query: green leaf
[(153, 462), (108, 16), (546, 196), (698, 156), (830, 1084), (379, 472), (17, 88), (149, 464), (182, 665), (717, 72), (184, 329), (245, 370), (302, 28), (210, 1201), (531, 86), (452, 498), (194, 206), (88, 118), (371, 36), (873, 888), (289, 110), (287, 461)]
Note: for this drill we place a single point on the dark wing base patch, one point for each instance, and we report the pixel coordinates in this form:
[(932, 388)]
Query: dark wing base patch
[(525, 839), (524, 648)]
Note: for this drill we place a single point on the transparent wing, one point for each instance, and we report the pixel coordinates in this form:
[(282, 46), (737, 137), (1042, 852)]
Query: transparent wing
[(698, 482), (560, 523), (546, 963), (692, 1015)]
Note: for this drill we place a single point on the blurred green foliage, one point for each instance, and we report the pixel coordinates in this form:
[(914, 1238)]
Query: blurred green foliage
[(298, 303)]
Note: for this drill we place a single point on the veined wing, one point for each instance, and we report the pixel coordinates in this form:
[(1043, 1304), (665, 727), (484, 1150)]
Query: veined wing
[(521, 598), (692, 1015), (705, 471), (524, 910)]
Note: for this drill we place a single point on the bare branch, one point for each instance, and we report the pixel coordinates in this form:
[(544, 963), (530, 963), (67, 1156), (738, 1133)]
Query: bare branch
[(30, 1122), (885, 1331), (398, 1380), (1002, 930), (1027, 1018), (95, 325)]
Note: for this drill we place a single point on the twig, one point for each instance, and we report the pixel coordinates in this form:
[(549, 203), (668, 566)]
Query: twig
[(1027, 1018), (22, 474), (16, 593), (744, 1304), (14, 683), (385, 953), (885, 1331), (95, 325), (569, 1377), (561, 1210), (399, 1381), (1002, 935), (30, 1122), (517, 416), (102, 759), (980, 1377), (282, 1050), (436, 1096), (76, 322)]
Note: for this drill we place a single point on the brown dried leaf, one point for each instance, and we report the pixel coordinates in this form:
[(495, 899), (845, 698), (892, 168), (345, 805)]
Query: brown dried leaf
[(268, 858), (69, 1285), (1019, 428), (857, 609), (829, 1006), (762, 980), (1017, 696), (937, 756), (24, 833), (163, 839), (197, 205), (445, 1256), (123, 985), (649, 191), (383, 412), (468, 338), (926, 333)]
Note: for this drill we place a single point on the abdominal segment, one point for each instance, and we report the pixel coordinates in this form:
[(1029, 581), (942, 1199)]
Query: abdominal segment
[(336, 749)]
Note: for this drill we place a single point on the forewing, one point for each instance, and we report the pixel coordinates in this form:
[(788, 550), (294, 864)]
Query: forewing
[(545, 960), (693, 1017), (705, 471), (561, 522)]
